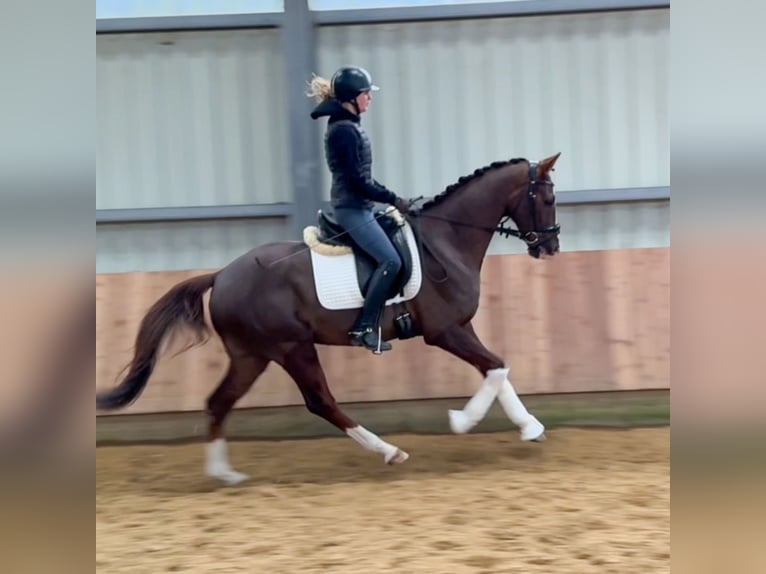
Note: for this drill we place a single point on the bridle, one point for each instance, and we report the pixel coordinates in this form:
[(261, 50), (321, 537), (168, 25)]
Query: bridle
[(533, 238)]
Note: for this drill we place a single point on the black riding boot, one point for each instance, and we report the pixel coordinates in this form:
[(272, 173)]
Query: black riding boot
[(366, 330)]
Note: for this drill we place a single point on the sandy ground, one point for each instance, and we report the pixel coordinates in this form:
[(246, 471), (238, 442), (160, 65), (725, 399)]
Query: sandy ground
[(584, 501)]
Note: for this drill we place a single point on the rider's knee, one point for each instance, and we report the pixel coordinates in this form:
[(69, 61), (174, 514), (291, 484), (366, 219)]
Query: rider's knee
[(392, 265)]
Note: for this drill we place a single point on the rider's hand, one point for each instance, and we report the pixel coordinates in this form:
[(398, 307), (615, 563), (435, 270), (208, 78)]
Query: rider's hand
[(402, 205)]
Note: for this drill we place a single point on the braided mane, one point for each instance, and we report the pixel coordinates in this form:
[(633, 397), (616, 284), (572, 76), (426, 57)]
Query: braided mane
[(463, 180)]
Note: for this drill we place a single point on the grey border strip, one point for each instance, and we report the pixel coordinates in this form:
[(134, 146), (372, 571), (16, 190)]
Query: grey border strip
[(195, 213), (482, 10), (261, 210), (200, 22)]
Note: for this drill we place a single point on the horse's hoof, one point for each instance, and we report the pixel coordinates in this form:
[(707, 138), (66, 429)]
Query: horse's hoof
[(459, 422), (228, 476), (398, 458), (533, 431)]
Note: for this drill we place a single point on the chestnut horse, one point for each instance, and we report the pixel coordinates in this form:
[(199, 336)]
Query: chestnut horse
[(265, 308)]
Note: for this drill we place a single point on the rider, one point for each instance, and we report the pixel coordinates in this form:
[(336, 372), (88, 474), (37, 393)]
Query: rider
[(344, 98)]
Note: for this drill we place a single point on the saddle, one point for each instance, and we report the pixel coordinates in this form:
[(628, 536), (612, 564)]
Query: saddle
[(332, 234)]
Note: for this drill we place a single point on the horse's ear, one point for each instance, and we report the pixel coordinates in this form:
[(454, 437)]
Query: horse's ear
[(546, 165)]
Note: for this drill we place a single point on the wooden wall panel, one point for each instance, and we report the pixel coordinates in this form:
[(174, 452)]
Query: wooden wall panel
[(583, 321)]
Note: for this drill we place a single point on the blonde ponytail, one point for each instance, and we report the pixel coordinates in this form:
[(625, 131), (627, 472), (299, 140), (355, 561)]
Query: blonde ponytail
[(320, 89)]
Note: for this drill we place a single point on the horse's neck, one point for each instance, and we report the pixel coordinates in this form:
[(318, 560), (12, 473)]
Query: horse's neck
[(479, 208)]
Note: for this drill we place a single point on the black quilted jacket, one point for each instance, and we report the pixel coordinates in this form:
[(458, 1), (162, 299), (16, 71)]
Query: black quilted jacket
[(349, 157)]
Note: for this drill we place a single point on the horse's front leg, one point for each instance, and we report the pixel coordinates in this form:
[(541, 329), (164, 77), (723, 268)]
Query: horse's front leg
[(302, 364), (461, 341)]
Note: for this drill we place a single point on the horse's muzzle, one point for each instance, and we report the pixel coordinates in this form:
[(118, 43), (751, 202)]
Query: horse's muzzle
[(543, 243)]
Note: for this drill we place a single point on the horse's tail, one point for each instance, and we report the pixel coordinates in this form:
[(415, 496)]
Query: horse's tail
[(180, 306)]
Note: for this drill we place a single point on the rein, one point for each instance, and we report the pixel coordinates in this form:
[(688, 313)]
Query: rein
[(501, 229), (531, 238)]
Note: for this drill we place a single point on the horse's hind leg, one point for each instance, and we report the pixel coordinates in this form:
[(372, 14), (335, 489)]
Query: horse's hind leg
[(302, 364), (462, 341), (244, 369)]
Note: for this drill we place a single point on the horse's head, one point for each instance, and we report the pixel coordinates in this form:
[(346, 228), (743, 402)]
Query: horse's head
[(533, 209)]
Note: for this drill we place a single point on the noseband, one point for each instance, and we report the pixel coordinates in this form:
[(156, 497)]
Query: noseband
[(536, 237)]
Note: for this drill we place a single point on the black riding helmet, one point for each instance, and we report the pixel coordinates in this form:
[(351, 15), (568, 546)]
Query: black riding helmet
[(347, 83)]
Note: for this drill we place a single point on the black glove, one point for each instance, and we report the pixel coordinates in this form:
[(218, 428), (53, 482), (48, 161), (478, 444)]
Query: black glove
[(402, 205)]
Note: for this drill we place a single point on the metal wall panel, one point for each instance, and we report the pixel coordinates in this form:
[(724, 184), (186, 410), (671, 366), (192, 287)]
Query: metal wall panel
[(152, 8), (176, 246), (456, 95), (212, 244), (194, 123), (615, 226), (191, 118)]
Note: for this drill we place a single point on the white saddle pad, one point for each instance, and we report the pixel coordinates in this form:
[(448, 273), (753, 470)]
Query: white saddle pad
[(337, 285)]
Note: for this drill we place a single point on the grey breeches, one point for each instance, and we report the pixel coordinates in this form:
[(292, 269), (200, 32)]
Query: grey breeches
[(367, 233)]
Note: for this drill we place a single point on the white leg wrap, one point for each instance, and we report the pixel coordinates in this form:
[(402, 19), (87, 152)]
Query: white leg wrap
[(512, 404), (374, 443), (531, 428), (496, 385), (476, 408), (217, 463)]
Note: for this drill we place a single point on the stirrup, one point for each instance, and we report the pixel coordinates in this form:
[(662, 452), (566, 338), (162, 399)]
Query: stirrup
[(361, 339)]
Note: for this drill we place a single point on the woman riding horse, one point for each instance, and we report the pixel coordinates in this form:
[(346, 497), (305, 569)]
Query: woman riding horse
[(348, 153), (264, 313)]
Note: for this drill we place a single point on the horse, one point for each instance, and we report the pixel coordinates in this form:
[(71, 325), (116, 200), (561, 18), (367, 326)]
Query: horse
[(264, 307)]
